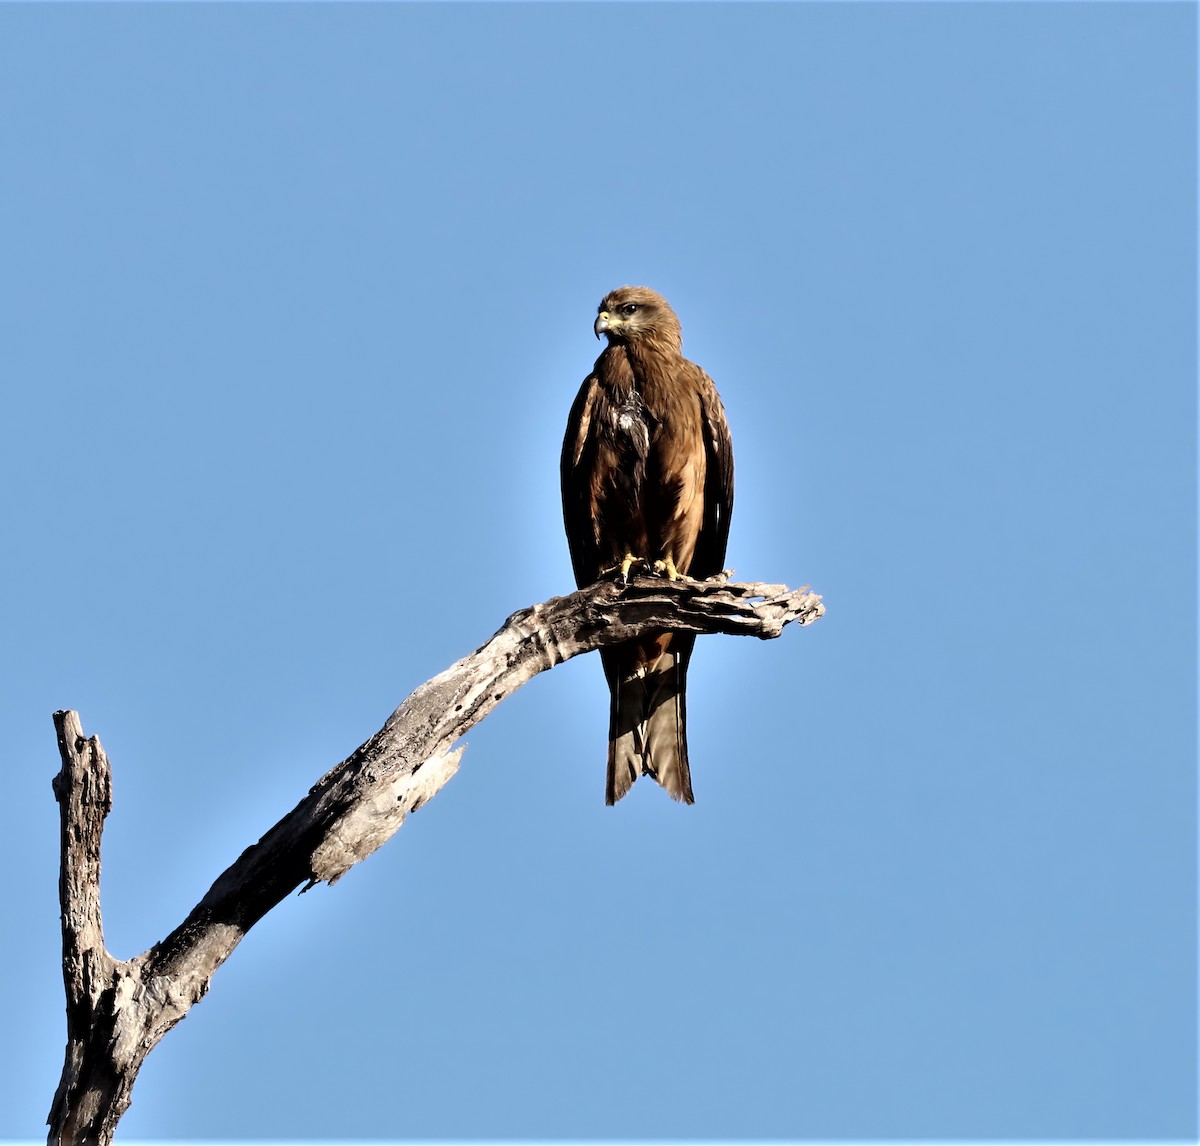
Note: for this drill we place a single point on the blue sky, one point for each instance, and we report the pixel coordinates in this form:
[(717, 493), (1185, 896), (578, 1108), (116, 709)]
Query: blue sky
[(294, 302)]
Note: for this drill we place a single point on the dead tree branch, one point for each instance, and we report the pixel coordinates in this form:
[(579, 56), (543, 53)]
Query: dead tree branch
[(118, 1011)]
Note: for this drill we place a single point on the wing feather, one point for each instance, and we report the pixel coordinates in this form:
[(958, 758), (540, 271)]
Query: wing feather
[(578, 458), (718, 482)]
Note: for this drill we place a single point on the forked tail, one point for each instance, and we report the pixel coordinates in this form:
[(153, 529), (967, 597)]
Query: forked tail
[(647, 728)]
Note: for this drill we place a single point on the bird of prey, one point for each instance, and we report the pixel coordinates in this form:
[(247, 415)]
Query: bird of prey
[(647, 480)]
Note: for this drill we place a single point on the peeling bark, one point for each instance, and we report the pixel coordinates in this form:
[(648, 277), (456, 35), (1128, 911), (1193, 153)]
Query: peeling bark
[(118, 1011)]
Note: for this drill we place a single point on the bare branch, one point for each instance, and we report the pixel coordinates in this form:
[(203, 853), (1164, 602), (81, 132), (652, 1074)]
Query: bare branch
[(117, 1012), (83, 789)]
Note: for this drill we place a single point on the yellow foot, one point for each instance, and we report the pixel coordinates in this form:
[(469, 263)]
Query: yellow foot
[(627, 563), (667, 566)]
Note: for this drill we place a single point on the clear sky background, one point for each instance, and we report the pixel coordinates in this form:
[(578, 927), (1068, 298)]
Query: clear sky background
[(293, 304)]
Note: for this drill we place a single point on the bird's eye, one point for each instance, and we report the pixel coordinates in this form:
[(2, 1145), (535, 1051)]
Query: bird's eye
[(629, 308)]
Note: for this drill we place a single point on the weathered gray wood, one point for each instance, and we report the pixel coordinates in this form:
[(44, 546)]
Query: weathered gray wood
[(90, 1079), (118, 1011)]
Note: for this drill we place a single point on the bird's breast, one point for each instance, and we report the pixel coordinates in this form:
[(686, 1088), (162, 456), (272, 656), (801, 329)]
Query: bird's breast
[(631, 424)]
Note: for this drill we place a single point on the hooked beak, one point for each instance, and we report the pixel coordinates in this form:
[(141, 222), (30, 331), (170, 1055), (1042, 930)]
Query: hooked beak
[(603, 324)]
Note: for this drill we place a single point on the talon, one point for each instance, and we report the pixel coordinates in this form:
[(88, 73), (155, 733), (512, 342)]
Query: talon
[(626, 564), (667, 566)]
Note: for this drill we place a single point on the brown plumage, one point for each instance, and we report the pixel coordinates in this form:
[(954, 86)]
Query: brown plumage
[(647, 474)]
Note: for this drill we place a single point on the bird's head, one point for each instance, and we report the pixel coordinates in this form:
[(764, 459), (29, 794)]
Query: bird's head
[(634, 314)]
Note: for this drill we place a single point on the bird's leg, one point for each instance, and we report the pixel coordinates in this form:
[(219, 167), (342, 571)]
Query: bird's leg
[(667, 566), (627, 563)]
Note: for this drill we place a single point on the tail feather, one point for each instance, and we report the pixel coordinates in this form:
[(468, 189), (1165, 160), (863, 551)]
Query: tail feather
[(647, 732)]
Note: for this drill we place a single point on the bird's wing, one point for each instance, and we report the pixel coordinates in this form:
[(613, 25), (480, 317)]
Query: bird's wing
[(709, 558), (578, 460)]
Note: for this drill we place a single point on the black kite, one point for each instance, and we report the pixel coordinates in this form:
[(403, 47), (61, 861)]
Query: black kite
[(647, 479)]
